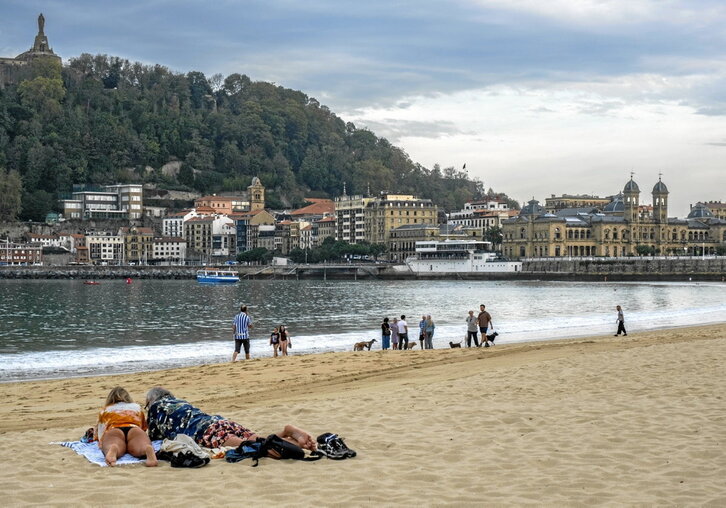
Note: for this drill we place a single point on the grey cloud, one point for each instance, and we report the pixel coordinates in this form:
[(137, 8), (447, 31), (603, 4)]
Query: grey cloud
[(394, 130)]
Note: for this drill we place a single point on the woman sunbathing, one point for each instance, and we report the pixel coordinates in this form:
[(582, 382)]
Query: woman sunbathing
[(169, 416), (121, 428)]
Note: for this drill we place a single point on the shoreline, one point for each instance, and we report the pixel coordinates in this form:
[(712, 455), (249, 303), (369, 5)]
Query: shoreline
[(546, 340), (595, 420)]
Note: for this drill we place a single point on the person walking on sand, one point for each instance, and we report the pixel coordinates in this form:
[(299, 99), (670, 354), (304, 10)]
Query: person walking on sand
[(402, 333), (241, 331), (285, 340), (275, 341), (429, 330), (472, 326), (394, 333), (485, 322), (620, 322), (422, 330), (385, 334)]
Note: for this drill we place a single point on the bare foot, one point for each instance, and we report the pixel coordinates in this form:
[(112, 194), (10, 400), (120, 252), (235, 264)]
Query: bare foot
[(302, 438), (151, 460), (112, 455)]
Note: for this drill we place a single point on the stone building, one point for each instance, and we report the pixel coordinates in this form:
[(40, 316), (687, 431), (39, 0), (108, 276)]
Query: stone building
[(623, 227), (11, 69)]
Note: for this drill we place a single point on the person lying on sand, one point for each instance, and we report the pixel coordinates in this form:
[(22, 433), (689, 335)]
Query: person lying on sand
[(120, 429), (169, 416)]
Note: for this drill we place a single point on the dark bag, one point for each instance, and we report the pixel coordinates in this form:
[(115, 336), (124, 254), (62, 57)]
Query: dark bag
[(273, 446), (183, 459)]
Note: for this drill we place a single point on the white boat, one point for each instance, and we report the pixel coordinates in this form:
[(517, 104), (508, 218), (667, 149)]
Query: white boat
[(217, 276), (459, 256)]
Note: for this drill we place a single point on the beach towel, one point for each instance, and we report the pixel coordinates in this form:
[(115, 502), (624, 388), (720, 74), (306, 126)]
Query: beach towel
[(94, 454)]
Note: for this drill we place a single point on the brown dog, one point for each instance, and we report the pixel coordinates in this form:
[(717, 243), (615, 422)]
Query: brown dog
[(411, 345), (455, 344), (359, 346)]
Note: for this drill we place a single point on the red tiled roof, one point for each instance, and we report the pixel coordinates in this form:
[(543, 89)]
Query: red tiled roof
[(326, 219), (318, 207), (218, 198)]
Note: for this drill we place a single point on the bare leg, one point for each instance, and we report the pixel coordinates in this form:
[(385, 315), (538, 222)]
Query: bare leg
[(234, 356), (298, 436), (113, 445), (139, 445), (235, 441)]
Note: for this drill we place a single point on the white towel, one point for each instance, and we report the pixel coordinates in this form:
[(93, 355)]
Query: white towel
[(94, 454)]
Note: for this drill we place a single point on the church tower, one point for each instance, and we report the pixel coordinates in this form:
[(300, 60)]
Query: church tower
[(631, 197), (256, 194), (660, 202)]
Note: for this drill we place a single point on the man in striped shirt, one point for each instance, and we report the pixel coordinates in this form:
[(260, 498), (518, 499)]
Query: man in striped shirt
[(241, 331)]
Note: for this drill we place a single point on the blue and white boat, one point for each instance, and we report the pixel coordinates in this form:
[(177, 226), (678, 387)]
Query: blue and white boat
[(217, 276)]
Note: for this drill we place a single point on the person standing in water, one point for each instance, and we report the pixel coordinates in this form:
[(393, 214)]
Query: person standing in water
[(620, 322)]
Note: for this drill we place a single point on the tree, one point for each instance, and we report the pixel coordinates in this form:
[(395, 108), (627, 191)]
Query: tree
[(36, 205), (11, 191), (494, 235)]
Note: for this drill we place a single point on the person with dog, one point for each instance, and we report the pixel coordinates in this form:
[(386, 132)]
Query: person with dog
[(385, 334), (394, 333), (429, 330), (471, 329), (285, 340), (121, 429), (275, 341), (621, 322), (241, 331), (485, 322), (403, 333), (169, 416), (422, 330)]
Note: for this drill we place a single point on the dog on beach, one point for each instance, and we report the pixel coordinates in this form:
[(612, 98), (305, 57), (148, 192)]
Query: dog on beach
[(455, 344), (411, 345), (491, 337), (360, 345)]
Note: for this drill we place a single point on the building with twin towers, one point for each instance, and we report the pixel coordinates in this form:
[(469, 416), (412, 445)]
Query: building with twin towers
[(622, 227)]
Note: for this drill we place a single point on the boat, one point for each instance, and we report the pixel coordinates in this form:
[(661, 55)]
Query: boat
[(459, 256), (217, 276), (91, 283)]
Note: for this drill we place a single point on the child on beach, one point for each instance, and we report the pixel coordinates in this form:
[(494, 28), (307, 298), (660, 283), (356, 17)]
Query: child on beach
[(285, 340), (275, 341), (121, 428)]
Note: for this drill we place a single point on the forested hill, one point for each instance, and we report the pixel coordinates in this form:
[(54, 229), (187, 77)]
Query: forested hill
[(105, 120)]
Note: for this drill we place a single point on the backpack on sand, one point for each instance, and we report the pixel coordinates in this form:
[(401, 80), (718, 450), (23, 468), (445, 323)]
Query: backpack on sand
[(272, 446)]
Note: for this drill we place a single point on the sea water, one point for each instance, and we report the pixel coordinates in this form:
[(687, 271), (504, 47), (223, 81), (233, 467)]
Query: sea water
[(63, 328)]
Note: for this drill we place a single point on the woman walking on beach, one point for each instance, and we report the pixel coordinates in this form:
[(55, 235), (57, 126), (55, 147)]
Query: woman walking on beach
[(430, 326), (275, 341), (385, 334), (620, 322), (285, 340), (394, 333), (121, 428)]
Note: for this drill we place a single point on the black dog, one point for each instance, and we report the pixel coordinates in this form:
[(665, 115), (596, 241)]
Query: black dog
[(490, 338), (455, 344)]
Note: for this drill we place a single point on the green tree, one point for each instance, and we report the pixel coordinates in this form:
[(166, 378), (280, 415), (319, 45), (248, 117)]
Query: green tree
[(11, 191), (36, 205)]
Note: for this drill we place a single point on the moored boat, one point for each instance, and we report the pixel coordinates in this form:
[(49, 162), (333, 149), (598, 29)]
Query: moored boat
[(459, 256), (217, 276)]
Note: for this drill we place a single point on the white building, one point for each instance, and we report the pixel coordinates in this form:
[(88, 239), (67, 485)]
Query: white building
[(105, 248), (167, 250)]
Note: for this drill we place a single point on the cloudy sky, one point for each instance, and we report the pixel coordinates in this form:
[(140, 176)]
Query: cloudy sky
[(536, 97)]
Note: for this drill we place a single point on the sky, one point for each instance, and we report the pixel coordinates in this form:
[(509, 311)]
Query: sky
[(535, 97)]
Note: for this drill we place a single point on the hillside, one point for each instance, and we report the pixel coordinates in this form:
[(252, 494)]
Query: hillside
[(104, 120)]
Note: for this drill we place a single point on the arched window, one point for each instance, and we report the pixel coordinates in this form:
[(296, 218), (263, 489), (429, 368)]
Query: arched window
[(557, 233), (569, 234)]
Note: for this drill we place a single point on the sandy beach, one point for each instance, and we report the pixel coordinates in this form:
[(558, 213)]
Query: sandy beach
[(594, 421)]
